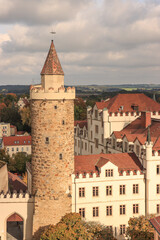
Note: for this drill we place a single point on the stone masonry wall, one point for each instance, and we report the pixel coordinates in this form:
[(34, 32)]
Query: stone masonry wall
[(51, 176)]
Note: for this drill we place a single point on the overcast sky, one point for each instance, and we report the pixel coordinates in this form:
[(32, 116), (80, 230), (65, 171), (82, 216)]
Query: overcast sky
[(97, 41)]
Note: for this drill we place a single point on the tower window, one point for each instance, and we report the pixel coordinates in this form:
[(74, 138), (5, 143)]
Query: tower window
[(47, 140), (60, 156), (55, 107)]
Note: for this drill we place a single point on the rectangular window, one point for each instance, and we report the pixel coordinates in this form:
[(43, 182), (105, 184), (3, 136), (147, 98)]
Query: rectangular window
[(102, 138), (96, 142), (95, 211), (126, 147), (135, 188), (91, 135), (91, 149), (158, 169), (96, 128), (47, 140), (122, 209), (82, 212), (114, 143), (95, 191), (82, 192), (122, 189), (122, 229), (137, 150), (108, 190), (109, 173), (96, 114), (135, 208), (17, 149), (86, 146), (12, 149), (158, 208), (109, 211), (7, 149), (158, 188)]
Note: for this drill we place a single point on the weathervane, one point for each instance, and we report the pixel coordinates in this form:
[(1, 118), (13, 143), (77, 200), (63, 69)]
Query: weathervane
[(53, 33)]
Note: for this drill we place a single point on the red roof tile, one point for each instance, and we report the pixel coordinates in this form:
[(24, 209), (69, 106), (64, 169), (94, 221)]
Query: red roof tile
[(52, 64), (156, 223), (124, 161), (17, 140), (16, 183), (143, 102), (81, 123)]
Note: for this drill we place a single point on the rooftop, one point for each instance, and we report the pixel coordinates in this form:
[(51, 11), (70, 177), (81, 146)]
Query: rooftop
[(16, 183), (124, 162), (17, 140), (129, 103)]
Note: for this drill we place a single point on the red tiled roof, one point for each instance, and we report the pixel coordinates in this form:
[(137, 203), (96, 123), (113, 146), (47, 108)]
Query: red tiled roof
[(124, 161), (16, 183), (143, 102), (156, 146), (52, 64), (17, 140), (156, 223), (81, 123)]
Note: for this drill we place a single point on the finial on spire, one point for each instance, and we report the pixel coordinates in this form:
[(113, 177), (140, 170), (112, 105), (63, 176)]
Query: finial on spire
[(52, 32), (148, 135)]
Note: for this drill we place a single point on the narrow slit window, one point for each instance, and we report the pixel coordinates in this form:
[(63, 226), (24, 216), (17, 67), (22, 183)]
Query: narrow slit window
[(47, 140), (63, 122), (55, 107), (60, 156)]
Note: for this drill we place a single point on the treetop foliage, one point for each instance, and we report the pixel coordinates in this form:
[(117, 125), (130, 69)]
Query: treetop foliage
[(71, 227)]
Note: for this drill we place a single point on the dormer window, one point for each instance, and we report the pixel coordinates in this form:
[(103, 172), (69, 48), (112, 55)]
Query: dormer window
[(109, 172)]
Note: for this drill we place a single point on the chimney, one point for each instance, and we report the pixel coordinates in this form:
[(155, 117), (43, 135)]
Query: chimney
[(146, 119)]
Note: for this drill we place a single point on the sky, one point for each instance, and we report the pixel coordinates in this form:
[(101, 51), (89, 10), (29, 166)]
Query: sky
[(98, 41)]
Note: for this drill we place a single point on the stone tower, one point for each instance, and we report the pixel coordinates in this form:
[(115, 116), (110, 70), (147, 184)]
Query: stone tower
[(52, 111)]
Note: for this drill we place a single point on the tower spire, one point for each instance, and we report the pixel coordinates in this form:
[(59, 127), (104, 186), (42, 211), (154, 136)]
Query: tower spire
[(52, 64)]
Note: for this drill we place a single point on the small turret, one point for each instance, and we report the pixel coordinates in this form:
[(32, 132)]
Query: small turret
[(52, 75)]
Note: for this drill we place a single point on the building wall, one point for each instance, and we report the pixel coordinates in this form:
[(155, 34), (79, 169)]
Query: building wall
[(52, 159), (4, 129), (115, 200), (18, 148), (4, 179), (107, 123), (21, 204)]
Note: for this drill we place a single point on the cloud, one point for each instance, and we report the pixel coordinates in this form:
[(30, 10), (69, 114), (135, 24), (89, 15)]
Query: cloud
[(102, 41)]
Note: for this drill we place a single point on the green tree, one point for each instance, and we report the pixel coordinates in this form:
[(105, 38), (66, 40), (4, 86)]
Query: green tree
[(12, 116), (140, 229), (18, 162), (80, 109), (4, 156), (71, 227)]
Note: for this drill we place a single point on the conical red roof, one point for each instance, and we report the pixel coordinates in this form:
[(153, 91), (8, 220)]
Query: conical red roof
[(52, 64)]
